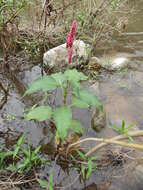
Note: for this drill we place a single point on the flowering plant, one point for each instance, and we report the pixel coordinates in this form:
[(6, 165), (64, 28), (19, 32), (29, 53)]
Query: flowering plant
[(80, 97)]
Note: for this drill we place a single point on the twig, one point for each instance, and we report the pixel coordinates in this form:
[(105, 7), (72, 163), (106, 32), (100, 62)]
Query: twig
[(16, 182), (120, 137), (4, 99)]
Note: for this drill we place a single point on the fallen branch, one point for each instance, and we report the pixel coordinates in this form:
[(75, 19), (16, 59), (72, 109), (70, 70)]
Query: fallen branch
[(114, 140)]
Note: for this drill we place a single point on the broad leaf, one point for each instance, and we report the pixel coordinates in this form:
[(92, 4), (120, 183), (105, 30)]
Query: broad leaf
[(63, 118), (45, 83), (90, 98), (59, 78), (76, 126), (79, 103), (74, 76), (40, 113)]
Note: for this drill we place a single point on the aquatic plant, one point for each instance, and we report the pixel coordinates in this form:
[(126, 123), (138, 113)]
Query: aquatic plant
[(69, 82)]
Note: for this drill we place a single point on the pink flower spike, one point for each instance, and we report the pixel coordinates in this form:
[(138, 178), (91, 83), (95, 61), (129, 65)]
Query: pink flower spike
[(74, 26), (69, 40), (70, 55), (70, 35)]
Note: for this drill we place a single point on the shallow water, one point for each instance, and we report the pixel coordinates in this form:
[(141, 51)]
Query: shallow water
[(121, 95)]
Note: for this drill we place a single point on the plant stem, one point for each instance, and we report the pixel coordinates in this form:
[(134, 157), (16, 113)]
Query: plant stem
[(65, 93)]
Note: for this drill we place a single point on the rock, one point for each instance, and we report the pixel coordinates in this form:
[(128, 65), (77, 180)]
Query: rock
[(98, 120), (114, 63), (58, 56)]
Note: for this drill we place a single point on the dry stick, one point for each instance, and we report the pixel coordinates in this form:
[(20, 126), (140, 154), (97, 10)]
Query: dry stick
[(120, 137), (111, 141), (4, 99)]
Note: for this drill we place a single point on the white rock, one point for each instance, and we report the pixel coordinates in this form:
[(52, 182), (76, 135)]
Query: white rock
[(113, 63), (58, 56)]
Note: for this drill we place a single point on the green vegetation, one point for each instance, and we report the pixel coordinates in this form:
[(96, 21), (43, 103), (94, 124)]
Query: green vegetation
[(69, 82), (21, 158), (123, 129)]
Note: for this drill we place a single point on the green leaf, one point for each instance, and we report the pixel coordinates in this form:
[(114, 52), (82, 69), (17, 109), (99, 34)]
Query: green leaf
[(76, 127), (37, 149), (123, 126), (40, 113), (21, 140), (90, 98), (62, 118), (16, 150), (90, 167), (45, 83), (74, 76), (51, 180), (59, 78), (83, 171), (79, 103), (43, 183), (81, 154)]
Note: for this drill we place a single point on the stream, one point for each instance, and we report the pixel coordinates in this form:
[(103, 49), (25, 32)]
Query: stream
[(121, 95)]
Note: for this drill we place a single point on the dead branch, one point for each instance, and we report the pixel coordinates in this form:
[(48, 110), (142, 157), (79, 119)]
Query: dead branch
[(114, 140)]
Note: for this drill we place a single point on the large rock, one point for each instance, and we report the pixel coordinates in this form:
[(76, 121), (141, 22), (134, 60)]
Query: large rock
[(58, 56)]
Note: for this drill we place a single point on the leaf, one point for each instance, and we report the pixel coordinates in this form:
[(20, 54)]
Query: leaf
[(123, 126), (117, 129), (79, 103), (37, 149), (62, 118), (76, 127), (59, 78), (81, 154), (74, 76), (93, 158), (43, 183), (16, 150), (51, 181), (83, 171), (90, 167), (90, 98), (45, 83), (21, 140), (40, 113)]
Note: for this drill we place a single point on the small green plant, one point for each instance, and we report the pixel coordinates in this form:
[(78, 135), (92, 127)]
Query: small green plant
[(21, 158), (123, 129), (87, 165)]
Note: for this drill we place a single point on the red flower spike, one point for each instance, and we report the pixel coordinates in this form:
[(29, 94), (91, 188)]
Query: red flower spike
[(70, 40), (74, 26), (70, 35)]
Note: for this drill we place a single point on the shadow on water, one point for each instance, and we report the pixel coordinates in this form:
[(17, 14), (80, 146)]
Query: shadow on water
[(121, 95)]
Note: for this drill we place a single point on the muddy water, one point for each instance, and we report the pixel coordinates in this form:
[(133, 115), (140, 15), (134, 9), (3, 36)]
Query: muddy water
[(121, 95)]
